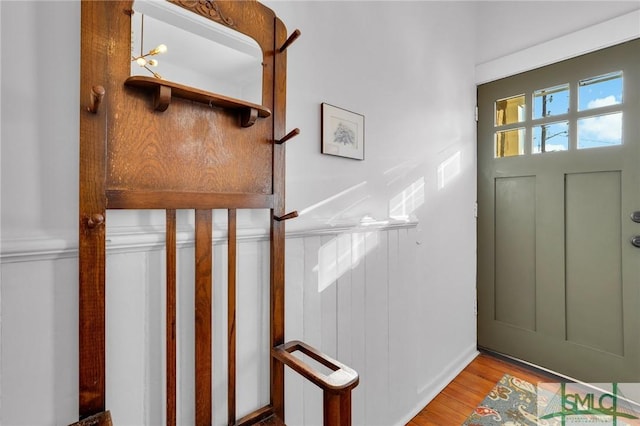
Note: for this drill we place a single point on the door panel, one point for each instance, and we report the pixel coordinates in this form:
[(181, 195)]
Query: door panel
[(558, 280), (515, 267), (594, 271)]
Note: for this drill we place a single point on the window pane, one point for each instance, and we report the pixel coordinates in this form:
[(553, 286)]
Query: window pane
[(510, 110), (509, 143), (600, 91), (601, 130), (551, 101), (551, 137)]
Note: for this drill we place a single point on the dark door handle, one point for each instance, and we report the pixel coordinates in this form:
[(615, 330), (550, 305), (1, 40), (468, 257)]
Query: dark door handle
[(636, 241), (635, 216)]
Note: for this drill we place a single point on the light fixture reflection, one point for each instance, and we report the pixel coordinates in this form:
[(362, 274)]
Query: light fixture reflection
[(145, 63)]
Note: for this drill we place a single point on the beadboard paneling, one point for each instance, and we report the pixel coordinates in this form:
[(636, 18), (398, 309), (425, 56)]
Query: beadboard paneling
[(353, 294)]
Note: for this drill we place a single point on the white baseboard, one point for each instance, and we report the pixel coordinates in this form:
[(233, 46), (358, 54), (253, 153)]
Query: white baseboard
[(432, 388)]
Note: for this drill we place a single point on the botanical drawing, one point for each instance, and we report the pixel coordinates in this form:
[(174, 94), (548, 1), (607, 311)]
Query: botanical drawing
[(342, 132), (345, 134)]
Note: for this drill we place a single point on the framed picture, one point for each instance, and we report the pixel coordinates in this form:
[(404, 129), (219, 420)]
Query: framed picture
[(342, 132)]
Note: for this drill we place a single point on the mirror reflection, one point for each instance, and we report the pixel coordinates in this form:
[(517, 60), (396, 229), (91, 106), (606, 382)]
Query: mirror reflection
[(174, 44)]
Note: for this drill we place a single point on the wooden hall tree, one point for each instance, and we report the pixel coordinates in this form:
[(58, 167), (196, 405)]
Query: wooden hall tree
[(149, 143)]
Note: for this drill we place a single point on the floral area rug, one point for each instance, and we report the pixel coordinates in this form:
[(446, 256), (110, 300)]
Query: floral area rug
[(515, 402), (512, 402)]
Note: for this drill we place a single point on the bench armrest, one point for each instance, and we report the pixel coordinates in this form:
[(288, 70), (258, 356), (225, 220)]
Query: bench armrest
[(342, 378)]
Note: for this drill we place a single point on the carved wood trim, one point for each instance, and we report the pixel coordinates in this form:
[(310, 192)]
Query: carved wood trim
[(207, 8)]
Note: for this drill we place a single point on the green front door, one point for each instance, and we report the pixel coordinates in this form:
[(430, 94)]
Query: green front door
[(558, 185)]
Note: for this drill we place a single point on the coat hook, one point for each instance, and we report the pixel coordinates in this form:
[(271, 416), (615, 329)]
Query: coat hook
[(287, 216), (294, 35), (292, 134), (94, 220), (97, 93)]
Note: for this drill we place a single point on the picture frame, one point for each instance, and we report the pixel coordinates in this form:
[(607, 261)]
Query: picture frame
[(342, 132)]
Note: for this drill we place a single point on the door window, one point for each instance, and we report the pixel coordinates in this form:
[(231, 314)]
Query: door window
[(554, 122)]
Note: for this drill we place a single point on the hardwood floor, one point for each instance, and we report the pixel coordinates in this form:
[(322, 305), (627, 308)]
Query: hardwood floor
[(455, 403)]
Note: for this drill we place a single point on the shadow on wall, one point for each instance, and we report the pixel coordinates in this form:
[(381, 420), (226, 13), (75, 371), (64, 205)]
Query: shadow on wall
[(345, 251)]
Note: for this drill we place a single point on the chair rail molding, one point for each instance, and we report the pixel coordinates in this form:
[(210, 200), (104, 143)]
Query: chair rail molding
[(145, 238)]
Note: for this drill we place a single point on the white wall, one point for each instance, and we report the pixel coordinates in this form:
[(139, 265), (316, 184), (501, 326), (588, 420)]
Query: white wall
[(570, 28), (538, 21), (408, 67), (392, 62)]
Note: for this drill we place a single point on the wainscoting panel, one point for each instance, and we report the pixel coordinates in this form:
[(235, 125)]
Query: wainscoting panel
[(39, 352), (352, 293)]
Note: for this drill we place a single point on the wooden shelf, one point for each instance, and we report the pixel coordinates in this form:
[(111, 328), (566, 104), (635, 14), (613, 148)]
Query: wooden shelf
[(165, 89)]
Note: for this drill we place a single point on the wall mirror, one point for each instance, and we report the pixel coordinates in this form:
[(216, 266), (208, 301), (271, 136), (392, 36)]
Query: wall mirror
[(197, 52)]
